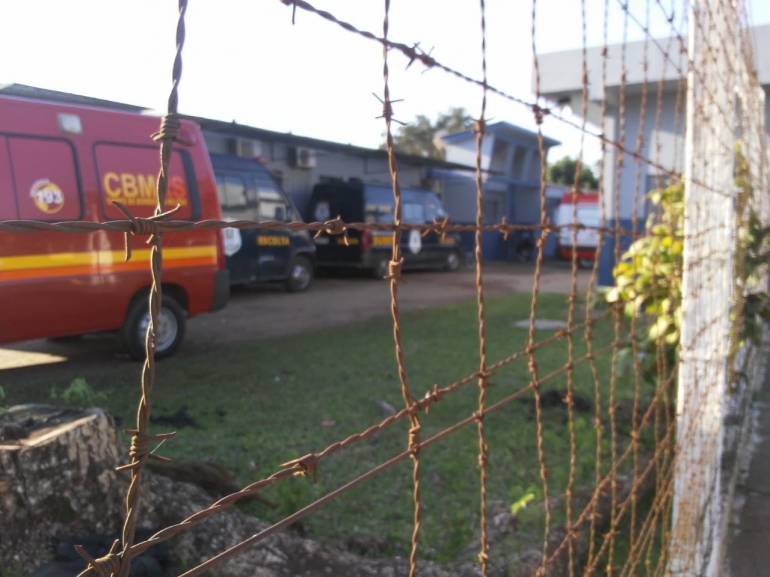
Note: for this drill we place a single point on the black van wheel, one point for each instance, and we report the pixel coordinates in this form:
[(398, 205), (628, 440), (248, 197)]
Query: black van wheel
[(172, 323), (452, 263), (381, 269), (300, 274), (585, 263)]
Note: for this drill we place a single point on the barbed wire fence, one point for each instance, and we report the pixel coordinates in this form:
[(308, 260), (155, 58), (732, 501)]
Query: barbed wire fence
[(679, 122)]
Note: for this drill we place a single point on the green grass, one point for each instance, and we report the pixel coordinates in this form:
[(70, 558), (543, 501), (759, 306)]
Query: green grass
[(277, 393)]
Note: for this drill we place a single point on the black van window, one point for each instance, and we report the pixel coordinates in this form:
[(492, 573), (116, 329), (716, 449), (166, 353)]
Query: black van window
[(272, 204), (414, 213), (379, 205), (433, 208), (234, 198)]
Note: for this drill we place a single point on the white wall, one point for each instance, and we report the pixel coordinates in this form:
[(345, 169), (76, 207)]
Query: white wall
[(663, 144), (464, 151)]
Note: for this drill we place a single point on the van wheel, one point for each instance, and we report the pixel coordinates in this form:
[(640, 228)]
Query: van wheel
[(381, 269), (171, 328), (452, 261), (585, 263), (300, 274)]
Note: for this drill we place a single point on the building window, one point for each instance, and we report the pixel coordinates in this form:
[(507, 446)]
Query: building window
[(519, 162)]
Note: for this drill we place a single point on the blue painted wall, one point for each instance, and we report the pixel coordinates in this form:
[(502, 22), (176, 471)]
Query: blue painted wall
[(607, 256)]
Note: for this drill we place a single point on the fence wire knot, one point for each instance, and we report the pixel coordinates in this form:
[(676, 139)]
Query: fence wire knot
[(439, 227), (308, 466), (387, 109), (432, 397), (142, 226), (504, 228), (140, 448), (169, 130), (414, 439), (416, 53), (484, 377), (103, 566), (394, 270), (334, 226), (540, 113)]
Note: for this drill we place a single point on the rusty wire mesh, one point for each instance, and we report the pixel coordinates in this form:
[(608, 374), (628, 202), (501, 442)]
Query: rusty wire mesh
[(671, 462)]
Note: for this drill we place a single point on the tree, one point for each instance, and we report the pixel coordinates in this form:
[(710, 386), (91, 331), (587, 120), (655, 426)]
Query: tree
[(563, 172), (419, 137)]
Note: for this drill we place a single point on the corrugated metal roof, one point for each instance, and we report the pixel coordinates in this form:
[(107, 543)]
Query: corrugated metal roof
[(35, 93), (244, 131)]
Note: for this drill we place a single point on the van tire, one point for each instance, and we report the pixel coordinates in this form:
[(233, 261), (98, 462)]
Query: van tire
[(452, 263), (300, 274), (172, 321), (585, 263), (381, 269)]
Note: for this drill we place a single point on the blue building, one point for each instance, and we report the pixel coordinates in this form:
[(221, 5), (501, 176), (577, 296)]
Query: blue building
[(510, 161)]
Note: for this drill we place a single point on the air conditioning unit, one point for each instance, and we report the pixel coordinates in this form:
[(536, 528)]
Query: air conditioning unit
[(304, 157), (246, 148)]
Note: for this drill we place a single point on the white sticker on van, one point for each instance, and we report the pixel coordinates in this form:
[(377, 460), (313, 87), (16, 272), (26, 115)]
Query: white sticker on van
[(233, 240), (415, 241), (322, 212)]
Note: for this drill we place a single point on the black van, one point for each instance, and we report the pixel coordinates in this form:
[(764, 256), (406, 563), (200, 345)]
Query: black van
[(248, 191), (373, 203)]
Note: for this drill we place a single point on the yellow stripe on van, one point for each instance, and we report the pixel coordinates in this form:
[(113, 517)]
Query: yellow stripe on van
[(96, 258)]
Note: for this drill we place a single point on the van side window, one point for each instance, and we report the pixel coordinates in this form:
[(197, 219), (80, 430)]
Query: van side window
[(234, 198), (45, 174), (272, 204), (414, 213)]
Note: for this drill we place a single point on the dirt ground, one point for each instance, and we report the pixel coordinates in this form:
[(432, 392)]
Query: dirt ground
[(255, 313)]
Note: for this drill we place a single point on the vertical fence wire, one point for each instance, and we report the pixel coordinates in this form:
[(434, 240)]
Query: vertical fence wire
[(481, 125), (395, 277)]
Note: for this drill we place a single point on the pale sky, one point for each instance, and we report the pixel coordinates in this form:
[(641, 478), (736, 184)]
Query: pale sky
[(244, 61)]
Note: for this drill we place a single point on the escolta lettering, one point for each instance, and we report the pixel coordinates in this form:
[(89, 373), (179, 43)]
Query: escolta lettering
[(263, 240), (140, 189)]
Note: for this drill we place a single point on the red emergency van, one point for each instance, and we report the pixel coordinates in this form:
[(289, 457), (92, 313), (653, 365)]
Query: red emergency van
[(587, 240), (62, 163)]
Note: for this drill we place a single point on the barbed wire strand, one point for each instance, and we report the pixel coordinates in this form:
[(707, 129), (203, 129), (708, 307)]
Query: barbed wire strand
[(655, 259), (395, 277), (413, 53), (140, 440), (570, 397), (532, 361), (234, 550), (598, 426), (306, 465), (481, 125)]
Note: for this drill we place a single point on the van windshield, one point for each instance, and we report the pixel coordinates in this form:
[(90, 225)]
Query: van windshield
[(589, 216), (379, 205), (433, 208)]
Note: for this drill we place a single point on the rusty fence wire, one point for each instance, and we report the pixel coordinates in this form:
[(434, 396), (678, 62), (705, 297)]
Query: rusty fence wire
[(681, 112)]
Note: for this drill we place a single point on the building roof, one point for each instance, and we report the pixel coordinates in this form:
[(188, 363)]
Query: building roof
[(561, 72), (35, 93), (230, 128), (499, 127), (244, 131)]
